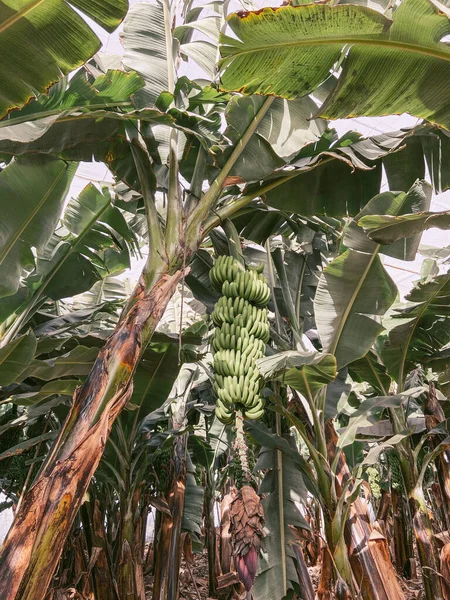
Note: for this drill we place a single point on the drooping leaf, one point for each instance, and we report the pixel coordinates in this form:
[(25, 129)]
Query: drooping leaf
[(53, 326), (420, 328), (436, 148), (15, 358), (336, 394), (373, 456), (306, 372), (354, 292), (369, 369), (284, 130), (370, 407), (33, 192), (39, 42), (144, 40), (198, 279), (313, 191), (386, 229), (27, 444), (270, 440), (405, 167), (79, 361), (390, 67), (22, 130), (192, 520), (392, 204), (59, 387), (155, 377), (271, 569)]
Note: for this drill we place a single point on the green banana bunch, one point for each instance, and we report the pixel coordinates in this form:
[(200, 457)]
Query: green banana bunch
[(242, 331)]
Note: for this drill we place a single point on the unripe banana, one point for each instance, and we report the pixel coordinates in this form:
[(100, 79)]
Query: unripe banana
[(255, 416), (242, 330)]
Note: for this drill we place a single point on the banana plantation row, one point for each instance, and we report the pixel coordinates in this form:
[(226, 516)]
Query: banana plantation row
[(264, 396)]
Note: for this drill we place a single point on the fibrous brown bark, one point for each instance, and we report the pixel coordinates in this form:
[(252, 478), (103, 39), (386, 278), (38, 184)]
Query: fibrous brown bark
[(368, 551), (103, 582), (306, 587), (325, 589), (211, 538), (402, 542), (445, 571), (434, 415), (168, 553), (129, 570), (34, 544)]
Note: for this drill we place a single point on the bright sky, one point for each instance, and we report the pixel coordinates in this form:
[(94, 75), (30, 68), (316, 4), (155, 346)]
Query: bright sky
[(403, 273)]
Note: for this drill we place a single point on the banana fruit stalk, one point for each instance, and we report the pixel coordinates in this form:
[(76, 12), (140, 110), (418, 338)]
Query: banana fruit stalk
[(240, 337)]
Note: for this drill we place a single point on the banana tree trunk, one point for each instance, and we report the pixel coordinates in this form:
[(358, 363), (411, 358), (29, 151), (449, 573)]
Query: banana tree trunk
[(367, 548), (306, 587), (425, 546), (34, 544), (129, 571), (434, 415), (402, 540), (325, 590), (104, 585), (211, 542), (169, 550)]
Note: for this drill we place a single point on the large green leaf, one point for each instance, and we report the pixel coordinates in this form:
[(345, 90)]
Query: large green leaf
[(82, 97), (76, 362), (272, 571), (389, 66), (40, 41), (419, 329), (15, 358), (145, 46), (95, 242), (284, 130), (393, 205), (387, 229), (354, 292), (371, 409), (304, 371), (33, 193), (155, 377)]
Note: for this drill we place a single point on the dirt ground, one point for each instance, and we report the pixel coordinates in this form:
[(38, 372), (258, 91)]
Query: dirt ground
[(413, 589), (193, 579)]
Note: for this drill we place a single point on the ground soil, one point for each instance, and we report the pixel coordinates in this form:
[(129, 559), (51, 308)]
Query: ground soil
[(196, 572), (412, 588)]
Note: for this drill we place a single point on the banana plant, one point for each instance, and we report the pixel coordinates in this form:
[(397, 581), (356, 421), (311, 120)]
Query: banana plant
[(185, 175), (53, 40), (267, 56), (344, 343)]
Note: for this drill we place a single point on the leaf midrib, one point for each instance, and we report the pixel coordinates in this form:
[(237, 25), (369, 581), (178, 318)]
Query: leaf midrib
[(12, 349), (37, 116), (343, 320), (20, 14), (345, 41)]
